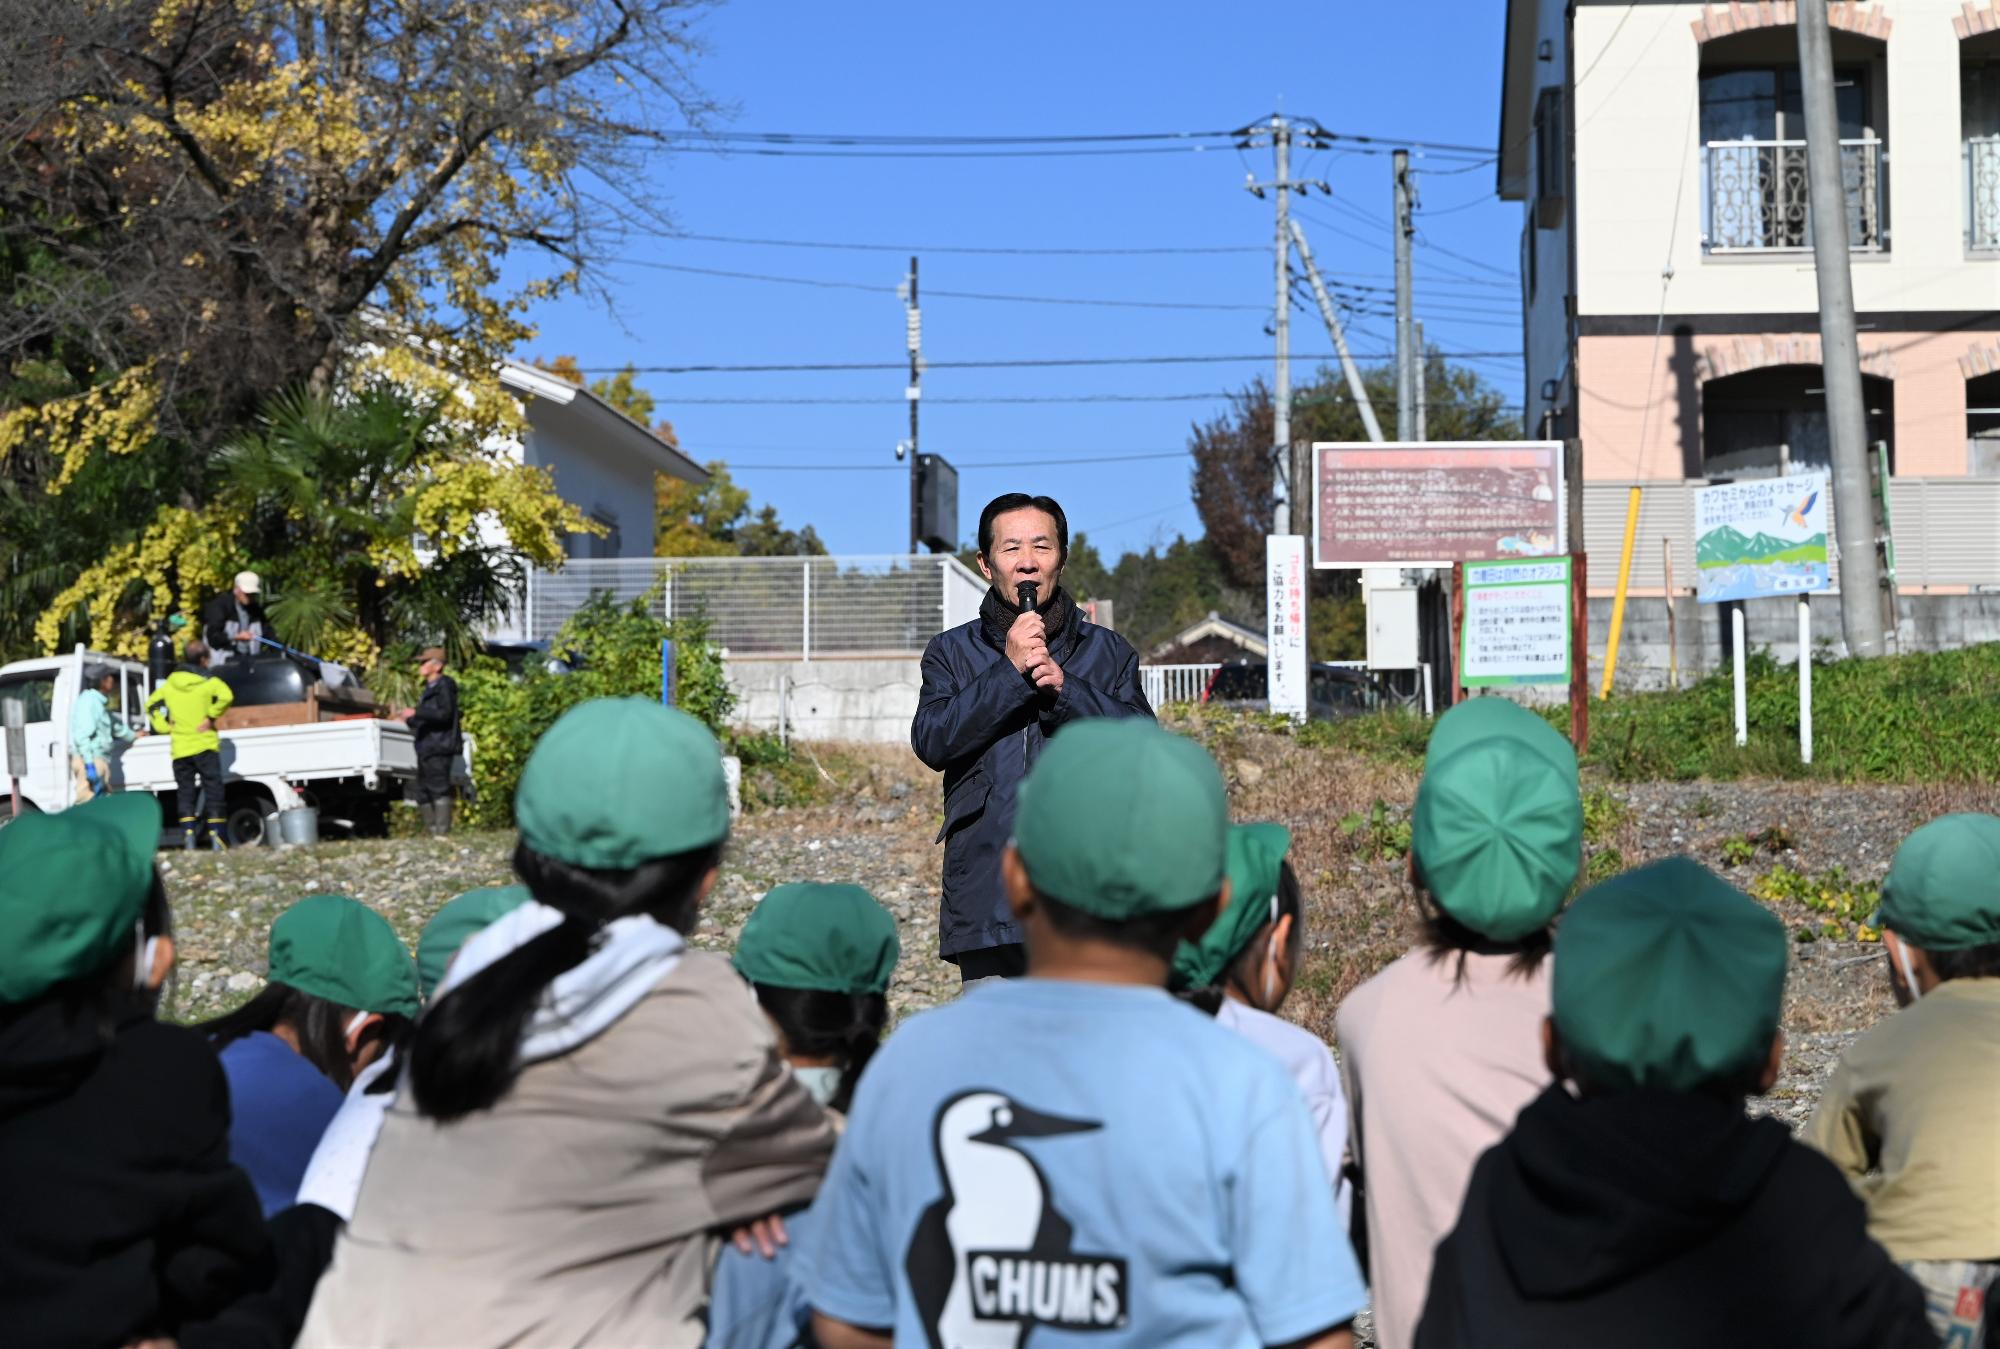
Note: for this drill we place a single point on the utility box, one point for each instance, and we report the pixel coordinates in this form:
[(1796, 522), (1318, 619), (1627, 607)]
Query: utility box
[(1392, 629), (937, 504)]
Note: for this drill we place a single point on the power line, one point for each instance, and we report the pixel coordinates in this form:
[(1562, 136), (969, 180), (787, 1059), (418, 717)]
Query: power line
[(1028, 398), (976, 463), (824, 283), (972, 250), (805, 367)]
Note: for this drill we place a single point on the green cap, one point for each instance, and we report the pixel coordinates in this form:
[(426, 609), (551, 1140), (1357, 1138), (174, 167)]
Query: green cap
[(72, 887), (1490, 716), (1119, 818), (620, 781), (1942, 892), (835, 938), (1497, 833), (339, 949), (457, 920), (1256, 856), (1667, 977)]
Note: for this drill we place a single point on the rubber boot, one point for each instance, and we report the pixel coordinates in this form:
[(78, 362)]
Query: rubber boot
[(427, 814), (444, 817), (216, 829), (187, 835)]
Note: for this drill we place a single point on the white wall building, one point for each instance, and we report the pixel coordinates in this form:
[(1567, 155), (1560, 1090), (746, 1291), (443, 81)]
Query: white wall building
[(1657, 139)]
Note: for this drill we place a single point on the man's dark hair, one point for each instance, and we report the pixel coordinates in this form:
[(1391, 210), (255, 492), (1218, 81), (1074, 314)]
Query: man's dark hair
[(1974, 962), (1016, 501), (1155, 934), (1445, 938)]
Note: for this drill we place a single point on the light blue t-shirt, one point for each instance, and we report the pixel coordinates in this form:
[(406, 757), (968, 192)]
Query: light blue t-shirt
[(1047, 1163)]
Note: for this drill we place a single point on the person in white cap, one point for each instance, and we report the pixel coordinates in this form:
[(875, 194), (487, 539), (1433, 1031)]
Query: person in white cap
[(233, 623)]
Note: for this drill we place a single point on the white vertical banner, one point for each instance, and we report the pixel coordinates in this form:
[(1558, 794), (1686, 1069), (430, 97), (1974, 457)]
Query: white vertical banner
[(1285, 621)]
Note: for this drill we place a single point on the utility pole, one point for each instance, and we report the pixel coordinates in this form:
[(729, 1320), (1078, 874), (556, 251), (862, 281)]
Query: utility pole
[(913, 325), (1840, 350), (1326, 312), (1419, 376), (1281, 380), (1405, 369)]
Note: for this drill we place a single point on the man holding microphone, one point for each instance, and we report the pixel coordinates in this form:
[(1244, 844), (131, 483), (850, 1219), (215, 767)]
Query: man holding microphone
[(994, 691)]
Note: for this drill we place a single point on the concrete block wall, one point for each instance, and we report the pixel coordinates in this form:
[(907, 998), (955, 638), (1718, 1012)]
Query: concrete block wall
[(860, 698), (1928, 623)]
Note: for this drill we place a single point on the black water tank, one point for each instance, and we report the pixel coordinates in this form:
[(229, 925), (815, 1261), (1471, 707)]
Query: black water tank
[(272, 680)]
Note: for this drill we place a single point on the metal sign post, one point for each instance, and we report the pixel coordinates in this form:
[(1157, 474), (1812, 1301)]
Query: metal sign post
[(14, 717)]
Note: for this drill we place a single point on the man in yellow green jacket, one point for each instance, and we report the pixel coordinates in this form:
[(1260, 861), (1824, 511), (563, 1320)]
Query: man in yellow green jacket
[(186, 706)]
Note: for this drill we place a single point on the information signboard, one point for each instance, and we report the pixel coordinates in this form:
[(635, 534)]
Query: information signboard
[(1285, 622), (1431, 505), (1760, 538), (1516, 628)]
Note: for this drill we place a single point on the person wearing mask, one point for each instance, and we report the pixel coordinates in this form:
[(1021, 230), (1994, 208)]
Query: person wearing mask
[(94, 731), (187, 707), (818, 957), (1241, 971), (304, 1234), (232, 623), (123, 1218), (341, 990), (1634, 1203), (1440, 1051), (1079, 1152), (994, 691), (1912, 1115), (439, 743), (588, 1104)]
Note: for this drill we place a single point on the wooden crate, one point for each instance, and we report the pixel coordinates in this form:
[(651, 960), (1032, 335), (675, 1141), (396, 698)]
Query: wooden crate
[(320, 705)]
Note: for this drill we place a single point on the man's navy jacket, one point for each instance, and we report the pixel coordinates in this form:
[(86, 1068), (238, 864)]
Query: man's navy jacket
[(983, 723)]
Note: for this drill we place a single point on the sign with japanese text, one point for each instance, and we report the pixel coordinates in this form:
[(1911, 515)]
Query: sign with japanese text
[(1285, 621), (1761, 538), (1431, 505), (1517, 623)]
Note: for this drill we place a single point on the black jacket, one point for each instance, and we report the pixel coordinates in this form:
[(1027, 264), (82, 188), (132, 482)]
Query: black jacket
[(982, 722), (1656, 1221), (120, 1214), (218, 613), (436, 719)]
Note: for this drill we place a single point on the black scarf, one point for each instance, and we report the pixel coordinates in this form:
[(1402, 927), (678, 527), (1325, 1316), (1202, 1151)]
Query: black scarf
[(1060, 617)]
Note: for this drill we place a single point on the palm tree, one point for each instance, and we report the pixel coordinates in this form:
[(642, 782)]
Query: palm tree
[(330, 488)]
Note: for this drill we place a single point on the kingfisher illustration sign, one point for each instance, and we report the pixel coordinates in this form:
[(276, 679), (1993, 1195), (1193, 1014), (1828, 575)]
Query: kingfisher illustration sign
[(1757, 539), (1433, 504)]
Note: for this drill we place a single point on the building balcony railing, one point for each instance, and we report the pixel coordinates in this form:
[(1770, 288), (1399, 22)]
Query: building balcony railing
[(1755, 197), (1982, 193)]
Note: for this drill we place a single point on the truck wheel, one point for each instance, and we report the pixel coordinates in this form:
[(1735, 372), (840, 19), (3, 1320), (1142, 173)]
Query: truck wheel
[(245, 825)]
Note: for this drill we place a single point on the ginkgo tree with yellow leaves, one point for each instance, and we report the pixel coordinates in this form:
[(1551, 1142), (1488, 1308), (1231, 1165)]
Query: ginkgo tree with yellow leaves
[(205, 204)]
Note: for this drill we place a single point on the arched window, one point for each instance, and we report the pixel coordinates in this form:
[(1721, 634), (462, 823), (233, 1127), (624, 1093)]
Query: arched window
[(1765, 422)]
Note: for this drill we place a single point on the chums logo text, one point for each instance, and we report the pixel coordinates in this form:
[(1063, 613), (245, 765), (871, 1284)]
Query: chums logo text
[(1083, 1293)]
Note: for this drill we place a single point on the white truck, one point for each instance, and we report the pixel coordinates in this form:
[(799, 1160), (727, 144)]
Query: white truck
[(350, 769)]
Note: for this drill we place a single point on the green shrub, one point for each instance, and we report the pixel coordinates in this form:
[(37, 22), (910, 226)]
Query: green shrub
[(1603, 816), (1383, 833), (1923, 717), (618, 650), (1847, 903)]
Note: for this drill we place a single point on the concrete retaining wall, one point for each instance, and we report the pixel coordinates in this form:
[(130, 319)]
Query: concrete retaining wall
[(863, 698), (1929, 623)]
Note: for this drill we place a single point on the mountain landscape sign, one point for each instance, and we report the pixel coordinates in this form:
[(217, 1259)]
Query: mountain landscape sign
[(1757, 539)]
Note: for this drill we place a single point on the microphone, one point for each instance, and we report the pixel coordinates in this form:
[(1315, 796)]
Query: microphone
[(1025, 590)]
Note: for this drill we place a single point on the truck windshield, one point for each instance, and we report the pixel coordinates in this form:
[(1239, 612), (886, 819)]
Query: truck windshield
[(37, 690)]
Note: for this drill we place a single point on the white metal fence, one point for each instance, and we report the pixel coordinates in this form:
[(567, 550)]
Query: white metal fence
[(1946, 531), (1982, 193), (796, 608), (1165, 684), (1754, 196)]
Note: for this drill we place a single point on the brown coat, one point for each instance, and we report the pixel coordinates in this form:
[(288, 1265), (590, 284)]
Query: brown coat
[(583, 1208)]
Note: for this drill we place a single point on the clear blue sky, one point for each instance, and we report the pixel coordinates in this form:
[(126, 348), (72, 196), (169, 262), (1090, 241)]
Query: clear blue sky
[(1419, 71)]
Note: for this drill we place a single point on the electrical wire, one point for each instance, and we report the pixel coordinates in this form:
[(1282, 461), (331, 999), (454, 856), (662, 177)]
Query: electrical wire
[(969, 464), (967, 249), (813, 367), (825, 284), (983, 400)]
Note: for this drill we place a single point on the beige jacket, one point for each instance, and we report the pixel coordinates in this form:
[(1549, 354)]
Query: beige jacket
[(583, 1208)]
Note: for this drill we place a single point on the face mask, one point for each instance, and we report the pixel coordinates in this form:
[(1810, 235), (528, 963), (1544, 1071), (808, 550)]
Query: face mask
[(354, 1023), (1271, 962), (1909, 971), (822, 1084), (145, 950)]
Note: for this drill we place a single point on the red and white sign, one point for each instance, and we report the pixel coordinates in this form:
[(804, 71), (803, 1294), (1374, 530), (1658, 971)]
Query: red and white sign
[(1285, 621), (1431, 505)]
